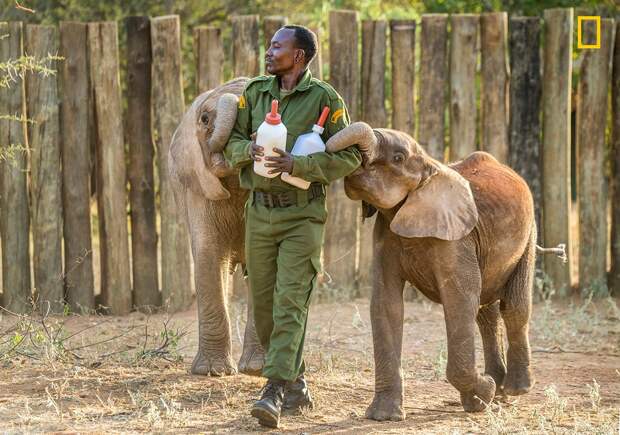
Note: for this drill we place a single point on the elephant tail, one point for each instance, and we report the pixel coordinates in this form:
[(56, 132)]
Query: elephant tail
[(559, 250)]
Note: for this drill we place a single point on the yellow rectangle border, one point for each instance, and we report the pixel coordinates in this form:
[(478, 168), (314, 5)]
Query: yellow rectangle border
[(598, 31)]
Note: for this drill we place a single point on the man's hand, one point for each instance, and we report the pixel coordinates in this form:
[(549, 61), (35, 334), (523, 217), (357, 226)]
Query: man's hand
[(255, 150), (282, 163)]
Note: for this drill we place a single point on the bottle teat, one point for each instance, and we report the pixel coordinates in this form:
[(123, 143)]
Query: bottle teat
[(273, 117)]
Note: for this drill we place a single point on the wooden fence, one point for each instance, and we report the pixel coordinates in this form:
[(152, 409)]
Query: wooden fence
[(484, 71)]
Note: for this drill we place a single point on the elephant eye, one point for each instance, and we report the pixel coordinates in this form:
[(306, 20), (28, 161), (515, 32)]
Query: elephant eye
[(398, 158), (204, 118)]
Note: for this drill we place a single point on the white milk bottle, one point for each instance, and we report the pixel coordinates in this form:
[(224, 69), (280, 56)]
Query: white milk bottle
[(305, 144), (271, 134)]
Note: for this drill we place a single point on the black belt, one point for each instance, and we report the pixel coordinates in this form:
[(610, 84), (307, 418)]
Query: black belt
[(288, 198)]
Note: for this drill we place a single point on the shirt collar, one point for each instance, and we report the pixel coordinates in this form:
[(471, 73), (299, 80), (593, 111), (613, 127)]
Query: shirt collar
[(273, 87)]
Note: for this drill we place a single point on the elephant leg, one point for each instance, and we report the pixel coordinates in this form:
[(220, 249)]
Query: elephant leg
[(386, 314), (253, 356), (491, 331), (460, 294), (214, 356), (516, 308)]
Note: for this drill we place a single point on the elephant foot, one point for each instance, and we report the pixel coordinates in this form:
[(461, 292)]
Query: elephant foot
[(518, 381), (498, 374), (481, 396), (252, 361), (213, 366), (386, 406)]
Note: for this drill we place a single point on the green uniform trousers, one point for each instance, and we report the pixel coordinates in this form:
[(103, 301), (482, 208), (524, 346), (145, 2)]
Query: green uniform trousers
[(282, 252)]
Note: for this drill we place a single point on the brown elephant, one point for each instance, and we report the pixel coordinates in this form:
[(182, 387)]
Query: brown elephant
[(208, 195), (464, 235)]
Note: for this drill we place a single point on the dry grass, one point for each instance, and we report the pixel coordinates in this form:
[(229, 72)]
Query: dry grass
[(89, 373)]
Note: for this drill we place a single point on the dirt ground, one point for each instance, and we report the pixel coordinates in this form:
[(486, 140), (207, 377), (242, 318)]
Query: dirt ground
[(131, 374)]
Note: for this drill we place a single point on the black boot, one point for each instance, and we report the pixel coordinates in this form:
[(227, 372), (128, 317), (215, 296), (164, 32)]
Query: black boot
[(296, 396), (268, 408)]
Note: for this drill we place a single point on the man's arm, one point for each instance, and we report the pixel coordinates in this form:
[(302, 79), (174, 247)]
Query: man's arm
[(237, 150), (325, 167)]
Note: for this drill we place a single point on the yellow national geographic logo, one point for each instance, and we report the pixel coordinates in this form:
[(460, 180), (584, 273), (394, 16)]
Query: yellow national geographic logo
[(242, 102), (337, 115), (597, 20)]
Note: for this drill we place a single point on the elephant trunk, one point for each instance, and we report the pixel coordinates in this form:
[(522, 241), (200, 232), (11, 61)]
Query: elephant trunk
[(224, 122), (358, 133)]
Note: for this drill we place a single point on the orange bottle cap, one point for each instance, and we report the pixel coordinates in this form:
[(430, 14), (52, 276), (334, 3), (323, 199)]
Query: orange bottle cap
[(273, 117)]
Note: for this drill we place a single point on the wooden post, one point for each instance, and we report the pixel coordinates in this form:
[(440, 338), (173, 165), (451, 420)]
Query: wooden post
[(271, 25), (141, 153), (75, 109), (342, 231), (209, 53), (14, 219), (402, 38), (525, 93), (374, 113), (245, 54), (111, 172), (433, 83), (46, 181), (463, 58), (495, 82), (614, 279), (373, 72), (168, 105), (316, 66), (558, 40), (591, 152)]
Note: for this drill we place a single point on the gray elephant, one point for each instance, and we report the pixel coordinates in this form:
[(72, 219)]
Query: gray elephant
[(464, 235), (208, 195)]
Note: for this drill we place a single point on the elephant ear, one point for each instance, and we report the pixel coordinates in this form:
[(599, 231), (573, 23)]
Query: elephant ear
[(442, 207)]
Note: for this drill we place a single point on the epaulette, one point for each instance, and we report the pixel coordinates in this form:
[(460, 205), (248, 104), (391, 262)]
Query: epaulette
[(333, 95), (256, 80)]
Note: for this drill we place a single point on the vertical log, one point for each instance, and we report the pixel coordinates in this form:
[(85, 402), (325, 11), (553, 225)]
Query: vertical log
[(141, 153), (167, 91), (374, 113), (614, 279), (557, 69), (209, 53), (373, 72), (525, 93), (402, 38), (111, 172), (271, 25), (46, 181), (75, 110), (463, 58), (246, 60), (316, 66), (14, 219), (591, 152), (342, 229), (494, 98), (433, 83)]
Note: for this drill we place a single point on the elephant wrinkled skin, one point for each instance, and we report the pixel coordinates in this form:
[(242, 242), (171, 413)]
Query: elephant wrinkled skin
[(463, 235), (207, 193)]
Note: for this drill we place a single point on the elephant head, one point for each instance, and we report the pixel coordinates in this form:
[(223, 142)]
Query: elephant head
[(195, 158), (433, 200)]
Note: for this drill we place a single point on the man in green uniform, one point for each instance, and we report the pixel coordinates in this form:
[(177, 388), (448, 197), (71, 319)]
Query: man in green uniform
[(283, 224)]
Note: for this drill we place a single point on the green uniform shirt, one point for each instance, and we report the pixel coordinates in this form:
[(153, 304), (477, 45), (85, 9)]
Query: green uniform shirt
[(299, 110)]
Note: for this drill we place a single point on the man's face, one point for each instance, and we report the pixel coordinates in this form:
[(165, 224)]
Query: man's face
[(282, 56)]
